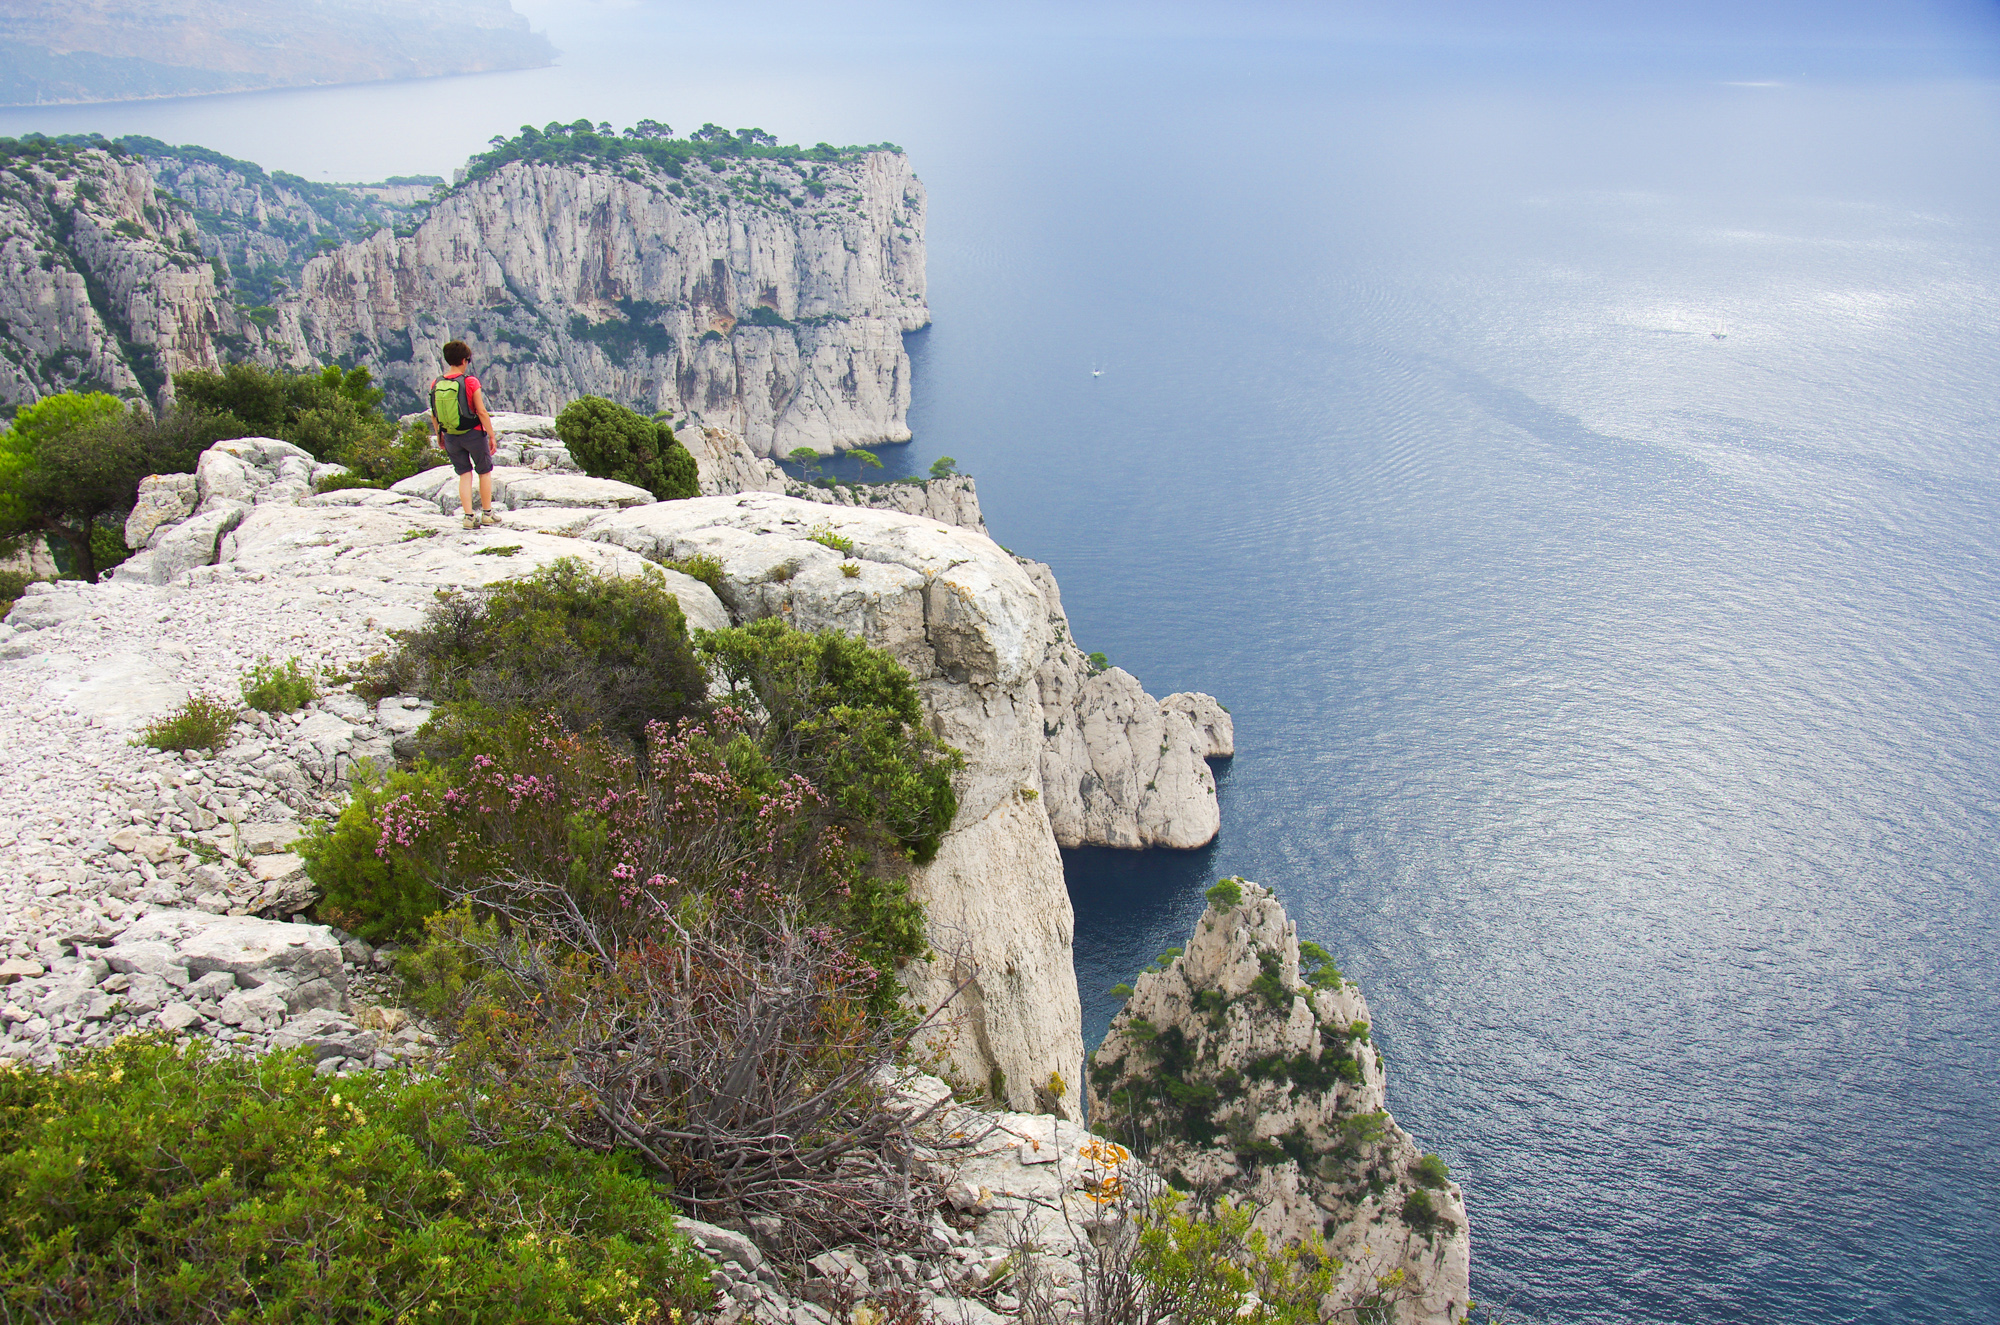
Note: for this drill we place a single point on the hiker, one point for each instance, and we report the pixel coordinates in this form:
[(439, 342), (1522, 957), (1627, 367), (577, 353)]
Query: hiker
[(465, 430)]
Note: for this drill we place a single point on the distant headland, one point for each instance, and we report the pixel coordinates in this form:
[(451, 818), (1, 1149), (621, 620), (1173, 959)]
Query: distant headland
[(55, 52)]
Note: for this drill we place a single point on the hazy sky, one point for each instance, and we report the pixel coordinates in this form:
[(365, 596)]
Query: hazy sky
[(1943, 25)]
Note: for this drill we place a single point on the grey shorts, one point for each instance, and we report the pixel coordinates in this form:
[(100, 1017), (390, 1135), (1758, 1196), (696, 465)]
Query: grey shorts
[(469, 452)]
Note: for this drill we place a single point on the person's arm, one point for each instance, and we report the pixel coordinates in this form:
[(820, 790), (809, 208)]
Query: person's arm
[(485, 419)]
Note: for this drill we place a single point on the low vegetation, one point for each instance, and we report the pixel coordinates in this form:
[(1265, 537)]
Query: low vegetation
[(151, 1181), (202, 723), (610, 441), (648, 144), (333, 414), (701, 566), (70, 467), (595, 651), (71, 463), (279, 687)]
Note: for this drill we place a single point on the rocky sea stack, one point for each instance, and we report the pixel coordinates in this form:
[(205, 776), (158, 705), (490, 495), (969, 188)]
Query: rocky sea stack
[(1238, 1073)]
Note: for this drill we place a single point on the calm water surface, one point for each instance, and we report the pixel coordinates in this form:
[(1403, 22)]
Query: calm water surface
[(1617, 701)]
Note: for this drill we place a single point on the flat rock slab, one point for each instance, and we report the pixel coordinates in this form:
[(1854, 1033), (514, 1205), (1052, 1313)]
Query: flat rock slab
[(123, 690), (256, 952), (518, 488), (389, 552)]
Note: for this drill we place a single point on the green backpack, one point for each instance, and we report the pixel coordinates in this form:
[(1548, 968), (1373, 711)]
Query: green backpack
[(449, 406)]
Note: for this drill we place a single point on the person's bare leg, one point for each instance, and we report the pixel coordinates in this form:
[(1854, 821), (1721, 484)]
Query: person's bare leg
[(465, 500), (485, 494)]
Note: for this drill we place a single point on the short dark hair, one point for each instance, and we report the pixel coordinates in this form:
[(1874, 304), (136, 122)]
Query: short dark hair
[(456, 352)]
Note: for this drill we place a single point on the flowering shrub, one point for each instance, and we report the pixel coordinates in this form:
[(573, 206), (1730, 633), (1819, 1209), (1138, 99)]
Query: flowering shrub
[(149, 1181), (537, 820)]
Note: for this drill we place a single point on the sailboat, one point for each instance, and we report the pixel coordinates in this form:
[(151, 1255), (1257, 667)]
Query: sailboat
[(1720, 333)]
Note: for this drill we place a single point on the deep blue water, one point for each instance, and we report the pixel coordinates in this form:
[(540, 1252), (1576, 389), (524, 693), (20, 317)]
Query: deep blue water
[(1616, 701)]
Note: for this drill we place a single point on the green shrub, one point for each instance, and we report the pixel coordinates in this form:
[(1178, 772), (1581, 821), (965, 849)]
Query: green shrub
[(596, 650), (1430, 1171), (384, 458), (851, 569), (382, 884), (203, 723), (149, 1181), (823, 535), (69, 462), (278, 687), (1099, 663), (524, 800), (610, 441), (701, 566), (1269, 985), (13, 584), (1318, 963), (332, 413), (1120, 990), (944, 467), (1219, 1270), (1225, 894), (497, 550), (1422, 1214), (846, 717)]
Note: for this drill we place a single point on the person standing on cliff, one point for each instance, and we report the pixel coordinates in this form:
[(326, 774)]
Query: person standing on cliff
[(464, 429)]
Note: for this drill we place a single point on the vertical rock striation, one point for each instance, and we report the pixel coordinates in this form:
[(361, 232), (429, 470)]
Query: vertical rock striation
[(103, 286), (762, 297), (1235, 1075), (734, 295)]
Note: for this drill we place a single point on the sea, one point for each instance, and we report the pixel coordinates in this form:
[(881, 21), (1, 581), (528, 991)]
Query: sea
[(1570, 453)]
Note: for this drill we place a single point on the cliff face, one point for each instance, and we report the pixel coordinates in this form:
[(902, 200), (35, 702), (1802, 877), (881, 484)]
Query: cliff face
[(1236, 1075), (762, 297), (735, 294), (103, 285)]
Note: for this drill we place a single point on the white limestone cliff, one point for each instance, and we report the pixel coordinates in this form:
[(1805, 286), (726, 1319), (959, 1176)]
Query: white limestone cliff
[(1120, 768), (730, 294), (102, 282), (1235, 1075)]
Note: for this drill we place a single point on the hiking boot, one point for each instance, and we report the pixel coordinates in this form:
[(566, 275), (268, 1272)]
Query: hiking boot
[(488, 517), (471, 521)]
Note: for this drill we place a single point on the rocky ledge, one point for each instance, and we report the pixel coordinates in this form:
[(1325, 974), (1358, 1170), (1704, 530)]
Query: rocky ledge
[(240, 562)]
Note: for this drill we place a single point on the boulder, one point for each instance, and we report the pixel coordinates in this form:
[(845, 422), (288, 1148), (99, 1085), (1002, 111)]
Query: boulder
[(270, 838), (327, 1034), (259, 952), (722, 1244), (252, 1009), (163, 499), (179, 548), (177, 1017), (519, 488)]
